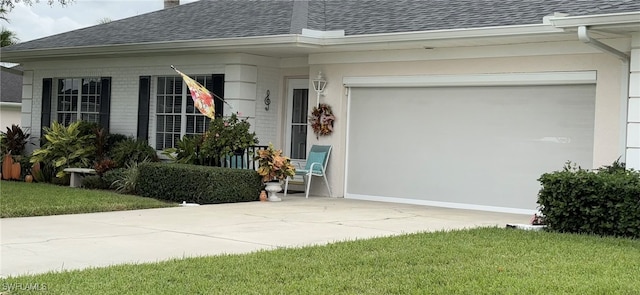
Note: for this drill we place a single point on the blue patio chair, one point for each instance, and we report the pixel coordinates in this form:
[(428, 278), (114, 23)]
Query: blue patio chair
[(316, 166)]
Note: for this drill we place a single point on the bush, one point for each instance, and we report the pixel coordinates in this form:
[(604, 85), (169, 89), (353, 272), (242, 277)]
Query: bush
[(132, 150), (127, 182), (65, 147), (197, 184), (186, 150), (94, 182), (112, 139), (111, 176), (224, 137), (606, 202)]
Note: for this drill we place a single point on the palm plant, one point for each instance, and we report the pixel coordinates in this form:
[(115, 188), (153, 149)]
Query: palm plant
[(8, 37)]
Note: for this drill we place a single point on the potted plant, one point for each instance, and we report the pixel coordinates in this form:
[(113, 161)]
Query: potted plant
[(274, 167)]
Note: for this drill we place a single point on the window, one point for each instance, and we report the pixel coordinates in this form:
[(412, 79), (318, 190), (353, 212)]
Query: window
[(297, 121), (78, 99), (176, 115), (299, 124)]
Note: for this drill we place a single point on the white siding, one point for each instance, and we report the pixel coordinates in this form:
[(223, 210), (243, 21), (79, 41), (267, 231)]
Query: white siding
[(266, 126), (125, 73)]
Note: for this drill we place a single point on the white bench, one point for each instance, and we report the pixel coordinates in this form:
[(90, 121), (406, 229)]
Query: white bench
[(77, 174)]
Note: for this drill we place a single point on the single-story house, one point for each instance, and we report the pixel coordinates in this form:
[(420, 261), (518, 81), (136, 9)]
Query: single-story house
[(10, 96), (449, 103)]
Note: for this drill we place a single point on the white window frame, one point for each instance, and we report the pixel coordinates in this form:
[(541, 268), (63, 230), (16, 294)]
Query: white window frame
[(78, 97), (183, 108)]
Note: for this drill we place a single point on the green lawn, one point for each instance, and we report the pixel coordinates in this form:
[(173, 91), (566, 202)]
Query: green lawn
[(19, 199), (479, 261)]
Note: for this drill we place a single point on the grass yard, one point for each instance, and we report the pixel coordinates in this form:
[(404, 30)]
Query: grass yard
[(21, 199), (478, 261)]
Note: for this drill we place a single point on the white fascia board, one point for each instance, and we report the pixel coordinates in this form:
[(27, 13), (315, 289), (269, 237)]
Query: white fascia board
[(153, 47), (293, 40), (506, 79), (486, 32), (625, 18)]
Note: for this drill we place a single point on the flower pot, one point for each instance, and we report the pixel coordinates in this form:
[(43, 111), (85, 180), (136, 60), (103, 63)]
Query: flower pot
[(16, 171), (7, 165), (273, 187), (263, 196)]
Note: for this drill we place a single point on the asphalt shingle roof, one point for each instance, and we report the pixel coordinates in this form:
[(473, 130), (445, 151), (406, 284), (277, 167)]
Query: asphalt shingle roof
[(11, 83), (216, 19), (370, 17)]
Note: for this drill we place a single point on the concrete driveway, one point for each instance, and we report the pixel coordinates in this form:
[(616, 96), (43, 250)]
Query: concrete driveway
[(41, 244)]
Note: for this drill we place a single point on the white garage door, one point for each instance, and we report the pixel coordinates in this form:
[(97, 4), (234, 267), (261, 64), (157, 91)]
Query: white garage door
[(483, 146)]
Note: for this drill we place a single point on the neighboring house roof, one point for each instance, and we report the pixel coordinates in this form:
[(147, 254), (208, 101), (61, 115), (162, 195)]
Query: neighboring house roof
[(219, 19), (11, 79)]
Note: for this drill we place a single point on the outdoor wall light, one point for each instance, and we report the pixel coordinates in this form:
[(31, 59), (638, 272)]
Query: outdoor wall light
[(318, 85)]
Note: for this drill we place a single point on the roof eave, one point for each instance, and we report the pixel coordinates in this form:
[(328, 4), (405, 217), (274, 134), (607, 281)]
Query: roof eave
[(290, 40), (482, 32), (627, 19), (146, 48)]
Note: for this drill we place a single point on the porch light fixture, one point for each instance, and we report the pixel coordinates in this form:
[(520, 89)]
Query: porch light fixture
[(318, 85)]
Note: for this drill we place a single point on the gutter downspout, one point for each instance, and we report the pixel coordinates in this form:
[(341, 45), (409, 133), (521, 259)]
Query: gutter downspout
[(583, 35)]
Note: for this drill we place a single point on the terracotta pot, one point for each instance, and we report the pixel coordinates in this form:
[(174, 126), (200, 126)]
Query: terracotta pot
[(7, 165), (28, 178), (16, 171), (263, 196)]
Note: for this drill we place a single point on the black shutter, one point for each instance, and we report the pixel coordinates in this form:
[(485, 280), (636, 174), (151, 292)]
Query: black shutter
[(144, 97), (45, 115), (218, 91), (105, 102)]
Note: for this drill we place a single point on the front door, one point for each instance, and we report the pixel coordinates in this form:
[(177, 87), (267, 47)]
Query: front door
[(297, 113)]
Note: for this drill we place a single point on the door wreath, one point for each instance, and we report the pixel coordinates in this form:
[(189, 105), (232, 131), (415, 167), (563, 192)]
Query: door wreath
[(321, 120)]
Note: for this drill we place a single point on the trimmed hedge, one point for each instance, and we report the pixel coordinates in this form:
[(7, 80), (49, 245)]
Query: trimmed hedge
[(198, 184), (606, 202)]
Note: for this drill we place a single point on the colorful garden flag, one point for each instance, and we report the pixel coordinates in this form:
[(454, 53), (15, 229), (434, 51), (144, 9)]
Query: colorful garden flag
[(202, 98)]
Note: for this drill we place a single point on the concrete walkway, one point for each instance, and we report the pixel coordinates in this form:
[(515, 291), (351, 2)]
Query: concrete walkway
[(53, 243)]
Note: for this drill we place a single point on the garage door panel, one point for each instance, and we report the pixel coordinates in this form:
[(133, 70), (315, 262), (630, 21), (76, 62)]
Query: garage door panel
[(475, 145)]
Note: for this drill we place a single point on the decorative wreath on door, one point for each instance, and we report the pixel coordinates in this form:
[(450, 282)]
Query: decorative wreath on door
[(321, 120)]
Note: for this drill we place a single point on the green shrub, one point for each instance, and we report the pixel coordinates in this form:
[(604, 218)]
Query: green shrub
[(65, 147), (112, 139), (127, 182), (94, 182), (111, 176), (606, 202), (197, 184), (224, 137), (87, 128), (186, 150), (46, 173), (132, 150)]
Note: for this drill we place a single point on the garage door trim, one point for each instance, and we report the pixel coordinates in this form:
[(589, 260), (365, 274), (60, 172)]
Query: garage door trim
[(502, 79)]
